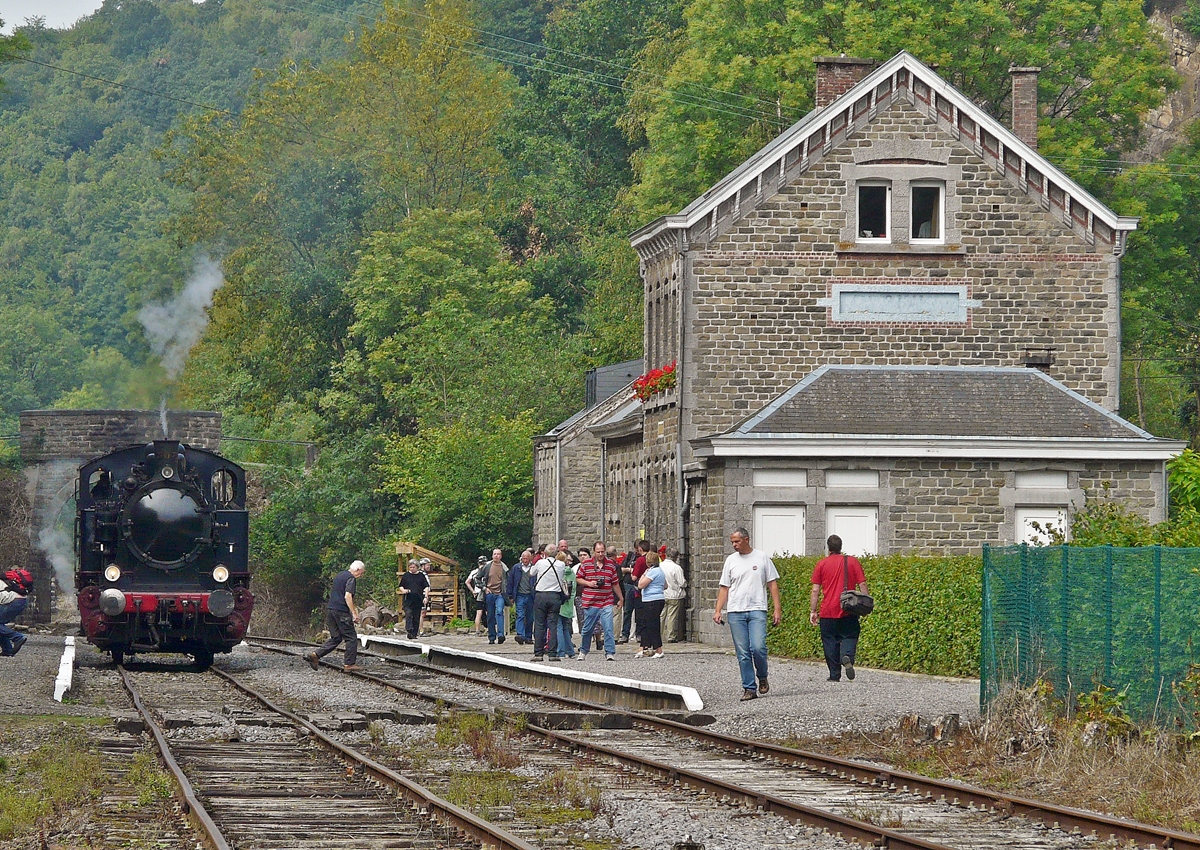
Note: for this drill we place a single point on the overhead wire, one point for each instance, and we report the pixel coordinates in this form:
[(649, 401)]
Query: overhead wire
[(625, 69), (476, 49), (567, 71)]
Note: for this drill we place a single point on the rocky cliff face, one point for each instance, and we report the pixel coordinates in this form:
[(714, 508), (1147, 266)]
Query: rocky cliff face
[(1165, 126)]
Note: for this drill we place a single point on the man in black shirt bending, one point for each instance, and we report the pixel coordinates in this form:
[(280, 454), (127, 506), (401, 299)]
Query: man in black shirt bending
[(340, 616)]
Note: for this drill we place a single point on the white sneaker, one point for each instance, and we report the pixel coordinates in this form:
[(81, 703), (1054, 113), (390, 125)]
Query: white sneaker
[(657, 655), (610, 658), (582, 656)]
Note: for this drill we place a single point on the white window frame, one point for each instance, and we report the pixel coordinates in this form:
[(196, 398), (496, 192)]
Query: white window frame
[(940, 186), (887, 212), (1044, 514)]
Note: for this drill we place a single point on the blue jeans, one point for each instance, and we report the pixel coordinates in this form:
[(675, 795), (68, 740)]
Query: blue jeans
[(749, 630), (565, 645), (493, 604), (524, 629), (603, 616), (9, 613)]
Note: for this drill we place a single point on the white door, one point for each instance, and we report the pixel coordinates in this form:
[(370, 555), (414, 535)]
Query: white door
[(1033, 523), (857, 525), (779, 529)]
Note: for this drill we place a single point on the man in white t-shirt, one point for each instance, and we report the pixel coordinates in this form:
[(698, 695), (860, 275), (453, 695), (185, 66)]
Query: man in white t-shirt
[(748, 577)]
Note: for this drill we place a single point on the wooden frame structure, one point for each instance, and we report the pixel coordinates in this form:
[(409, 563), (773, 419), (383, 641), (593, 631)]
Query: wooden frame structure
[(444, 601)]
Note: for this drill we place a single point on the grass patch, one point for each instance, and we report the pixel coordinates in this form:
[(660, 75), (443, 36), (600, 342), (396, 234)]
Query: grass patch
[(482, 791), (152, 783), (478, 733), (556, 800), (1028, 747), (52, 777)]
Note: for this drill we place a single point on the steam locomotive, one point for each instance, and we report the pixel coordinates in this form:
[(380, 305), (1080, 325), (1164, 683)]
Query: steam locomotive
[(161, 534)]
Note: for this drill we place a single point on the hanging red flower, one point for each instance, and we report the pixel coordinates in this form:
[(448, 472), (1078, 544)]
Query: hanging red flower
[(655, 381)]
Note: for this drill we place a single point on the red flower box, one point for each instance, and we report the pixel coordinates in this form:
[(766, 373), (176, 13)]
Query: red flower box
[(655, 381)]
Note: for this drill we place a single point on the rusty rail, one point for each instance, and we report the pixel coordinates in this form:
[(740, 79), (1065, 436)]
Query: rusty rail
[(957, 793), (468, 824), (192, 806)]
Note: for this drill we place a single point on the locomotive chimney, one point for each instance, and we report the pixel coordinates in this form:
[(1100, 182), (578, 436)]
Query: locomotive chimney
[(1025, 104)]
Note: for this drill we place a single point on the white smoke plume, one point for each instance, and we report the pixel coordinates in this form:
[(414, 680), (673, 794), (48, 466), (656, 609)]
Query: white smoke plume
[(52, 521), (174, 327)]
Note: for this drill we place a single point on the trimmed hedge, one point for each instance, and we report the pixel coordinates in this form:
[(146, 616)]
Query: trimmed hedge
[(926, 618)]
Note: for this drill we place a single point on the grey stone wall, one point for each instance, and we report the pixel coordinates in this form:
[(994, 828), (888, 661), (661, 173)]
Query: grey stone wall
[(708, 545), (579, 454), (755, 326), (545, 482), (54, 443), (83, 434), (626, 516)]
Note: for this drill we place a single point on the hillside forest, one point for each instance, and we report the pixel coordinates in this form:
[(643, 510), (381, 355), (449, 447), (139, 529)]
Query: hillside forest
[(398, 230)]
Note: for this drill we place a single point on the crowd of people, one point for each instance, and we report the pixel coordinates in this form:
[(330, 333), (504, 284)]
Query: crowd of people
[(605, 596), (602, 595)]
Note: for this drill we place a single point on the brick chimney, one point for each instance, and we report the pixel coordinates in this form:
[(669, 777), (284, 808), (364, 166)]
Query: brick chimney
[(1025, 104), (836, 75)]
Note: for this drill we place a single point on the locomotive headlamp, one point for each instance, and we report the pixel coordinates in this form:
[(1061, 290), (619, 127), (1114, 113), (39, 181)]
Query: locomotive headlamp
[(112, 602), (221, 573), (168, 472), (112, 572)]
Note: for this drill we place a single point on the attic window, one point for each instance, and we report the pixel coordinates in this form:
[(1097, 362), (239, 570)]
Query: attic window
[(874, 212), (927, 212)]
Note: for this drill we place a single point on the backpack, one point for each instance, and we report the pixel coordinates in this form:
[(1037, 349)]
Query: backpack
[(19, 580)]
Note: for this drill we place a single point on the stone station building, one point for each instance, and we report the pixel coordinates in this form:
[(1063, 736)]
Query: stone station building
[(896, 322)]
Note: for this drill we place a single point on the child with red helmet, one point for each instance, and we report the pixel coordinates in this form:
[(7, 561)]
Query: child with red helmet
[(14, 597)]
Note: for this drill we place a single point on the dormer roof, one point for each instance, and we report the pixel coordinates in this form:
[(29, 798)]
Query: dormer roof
[(807, 142)]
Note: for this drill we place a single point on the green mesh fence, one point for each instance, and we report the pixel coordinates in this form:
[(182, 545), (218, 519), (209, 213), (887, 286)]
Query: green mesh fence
[(1082, 616)]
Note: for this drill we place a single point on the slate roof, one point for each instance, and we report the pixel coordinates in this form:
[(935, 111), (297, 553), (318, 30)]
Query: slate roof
[(921, 401)]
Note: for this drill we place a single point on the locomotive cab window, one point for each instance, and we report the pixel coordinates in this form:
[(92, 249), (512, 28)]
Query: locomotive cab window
[(100, 484), (223, 487)]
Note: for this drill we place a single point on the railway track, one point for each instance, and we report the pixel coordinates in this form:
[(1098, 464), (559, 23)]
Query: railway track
[(295, 787), (868, 803)]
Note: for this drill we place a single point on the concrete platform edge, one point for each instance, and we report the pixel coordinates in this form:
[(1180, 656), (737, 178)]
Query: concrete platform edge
[(689, 697)]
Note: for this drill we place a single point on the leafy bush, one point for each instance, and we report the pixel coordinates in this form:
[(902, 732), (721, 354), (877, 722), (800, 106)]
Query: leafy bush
[(1106, 521), (1184, 475), (926, 618)]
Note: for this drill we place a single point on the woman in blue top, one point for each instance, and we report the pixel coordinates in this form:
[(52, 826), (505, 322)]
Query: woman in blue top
[(653, 585)]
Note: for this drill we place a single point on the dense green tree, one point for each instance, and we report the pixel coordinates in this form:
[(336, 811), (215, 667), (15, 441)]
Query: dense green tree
[(740, 71), (467, 485), (1161, 272)]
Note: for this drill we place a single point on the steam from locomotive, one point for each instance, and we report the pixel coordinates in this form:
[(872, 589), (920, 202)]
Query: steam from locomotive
[(161, 535)]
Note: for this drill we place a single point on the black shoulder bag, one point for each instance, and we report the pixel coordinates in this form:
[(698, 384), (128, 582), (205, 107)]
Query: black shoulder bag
[(853, 602)]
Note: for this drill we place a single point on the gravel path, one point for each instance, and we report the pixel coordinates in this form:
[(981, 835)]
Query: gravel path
[(802, 701)]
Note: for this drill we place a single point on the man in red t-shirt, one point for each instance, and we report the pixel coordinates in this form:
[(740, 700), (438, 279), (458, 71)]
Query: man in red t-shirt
[(600, 585), (839, 630)]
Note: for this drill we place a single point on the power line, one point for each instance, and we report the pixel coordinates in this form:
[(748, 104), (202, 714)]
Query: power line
[(626, 69), (533, 63)]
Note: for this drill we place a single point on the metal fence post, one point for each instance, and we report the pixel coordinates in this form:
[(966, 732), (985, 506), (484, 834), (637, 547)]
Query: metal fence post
[(1158, 615), (1108, 614), (987, 649), (1026, 630), (1064, 611)]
